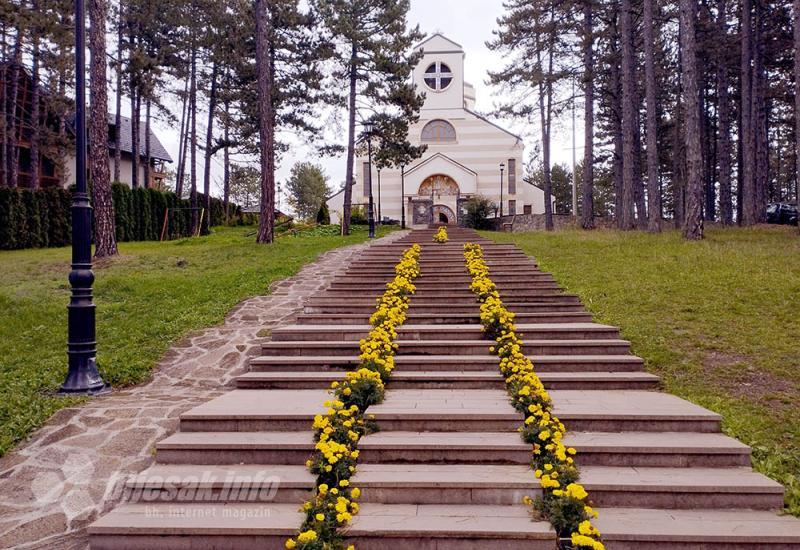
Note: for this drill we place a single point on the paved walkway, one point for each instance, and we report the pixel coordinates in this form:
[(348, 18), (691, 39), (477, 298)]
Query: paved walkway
[(53, 486)]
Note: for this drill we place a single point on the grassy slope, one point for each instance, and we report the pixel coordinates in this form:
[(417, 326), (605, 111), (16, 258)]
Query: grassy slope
[(151, 296), (716, 319)]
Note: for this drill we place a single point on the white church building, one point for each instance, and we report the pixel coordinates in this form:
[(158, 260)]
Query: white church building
[(463, 159)]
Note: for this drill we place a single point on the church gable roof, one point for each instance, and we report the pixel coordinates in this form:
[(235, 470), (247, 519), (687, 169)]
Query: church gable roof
[(487, 121), (437, 42), (432, 158)]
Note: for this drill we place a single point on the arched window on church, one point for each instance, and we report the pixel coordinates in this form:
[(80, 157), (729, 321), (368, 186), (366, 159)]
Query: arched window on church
[(438, 131)]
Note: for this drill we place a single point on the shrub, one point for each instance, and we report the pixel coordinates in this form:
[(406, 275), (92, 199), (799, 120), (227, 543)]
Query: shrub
[(358, 216), (479, 211), (42, 217), (323, 214)]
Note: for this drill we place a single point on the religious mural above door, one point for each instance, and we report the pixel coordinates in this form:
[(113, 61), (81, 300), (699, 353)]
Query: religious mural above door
[(439, 185)]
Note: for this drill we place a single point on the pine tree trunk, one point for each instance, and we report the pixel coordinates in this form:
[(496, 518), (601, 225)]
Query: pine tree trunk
[(104, 231), (693, 225), (193, 137), (616, 127), (759, 118), (796, 19), (4, 103), (679, 149), (351, 143), (724, 124), (212, 108), (548, 184), (544, 120), (266, 116), (134, 135), (179, 176), (147, 152), (118, 104), (587, 211), (747, 136), (226, 163), (629, 118), (4, 72), (12, 150), (653, 182), (638, 158), (35, 122), (709, 211)]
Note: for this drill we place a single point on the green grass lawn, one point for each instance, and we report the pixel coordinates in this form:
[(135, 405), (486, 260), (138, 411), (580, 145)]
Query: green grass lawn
[(717, 320), (148, 298)]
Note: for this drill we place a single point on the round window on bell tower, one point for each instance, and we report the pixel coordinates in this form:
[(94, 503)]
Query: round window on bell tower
[(438, 76)]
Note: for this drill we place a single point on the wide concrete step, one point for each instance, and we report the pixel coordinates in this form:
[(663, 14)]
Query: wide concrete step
[(217, 526), (582, 410), (274, 448), (256, 410), (451, 527), (635, 449), (454, 410), (234, 526), (329, 306), (658, 529), (412, 331), (442, 317), (680, 488), (445, 273), (404, 363), (551, 293), (450, 265), (353, 278), (182, 483), (452, 347), (450, 380), (629, 487), (424, 289)]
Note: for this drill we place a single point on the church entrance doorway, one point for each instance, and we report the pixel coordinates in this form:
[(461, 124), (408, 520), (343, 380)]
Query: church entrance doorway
[(444, 214), (441, 192)]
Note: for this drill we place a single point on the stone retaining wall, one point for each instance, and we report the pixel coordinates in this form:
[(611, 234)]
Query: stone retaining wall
[(535, 222)]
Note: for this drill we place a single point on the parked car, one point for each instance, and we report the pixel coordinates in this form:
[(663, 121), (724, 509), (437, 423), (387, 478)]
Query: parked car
[(783, 213)]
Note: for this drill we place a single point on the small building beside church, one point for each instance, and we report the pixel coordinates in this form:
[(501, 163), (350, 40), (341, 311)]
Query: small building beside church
[(463, 159), (59, 171)]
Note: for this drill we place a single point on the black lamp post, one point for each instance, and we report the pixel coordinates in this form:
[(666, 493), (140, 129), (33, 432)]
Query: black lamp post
[(502, 168), (368, 129), (402, 196), (82, 377)]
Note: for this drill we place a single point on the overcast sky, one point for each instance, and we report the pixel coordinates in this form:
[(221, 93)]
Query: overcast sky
[(467, 22)]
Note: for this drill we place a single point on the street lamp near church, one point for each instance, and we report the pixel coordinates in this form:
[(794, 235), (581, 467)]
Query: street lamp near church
[(83, 378), (369, 127), (403, 196), (502, 169)]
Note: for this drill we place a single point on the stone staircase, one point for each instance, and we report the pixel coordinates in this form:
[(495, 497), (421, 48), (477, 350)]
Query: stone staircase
[(447, 469)]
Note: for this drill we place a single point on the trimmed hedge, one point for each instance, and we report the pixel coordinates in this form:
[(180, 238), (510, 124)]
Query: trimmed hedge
[(41, 218)]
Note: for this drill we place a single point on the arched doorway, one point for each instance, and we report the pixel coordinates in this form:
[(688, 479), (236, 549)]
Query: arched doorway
[(440, 192), (444, 214)]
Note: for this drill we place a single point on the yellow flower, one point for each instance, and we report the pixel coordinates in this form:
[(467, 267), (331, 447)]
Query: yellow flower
[(576, 491), (320, 517), (290, 543), (307, 536), (355, 493)]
